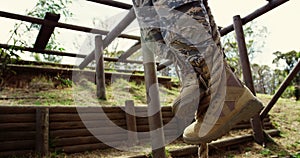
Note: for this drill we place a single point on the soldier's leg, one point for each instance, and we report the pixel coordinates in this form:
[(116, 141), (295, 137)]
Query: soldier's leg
[(188, 34)]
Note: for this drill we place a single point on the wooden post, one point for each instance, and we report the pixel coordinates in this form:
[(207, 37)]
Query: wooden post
[(154, 108), (112, 35), (131, 122), (42, 131), (255, 121), (100, 76)]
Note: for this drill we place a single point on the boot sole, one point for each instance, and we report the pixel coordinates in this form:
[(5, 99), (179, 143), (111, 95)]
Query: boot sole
[(248, 111)]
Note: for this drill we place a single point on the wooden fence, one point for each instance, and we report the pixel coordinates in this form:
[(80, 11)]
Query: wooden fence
[(41, 130)]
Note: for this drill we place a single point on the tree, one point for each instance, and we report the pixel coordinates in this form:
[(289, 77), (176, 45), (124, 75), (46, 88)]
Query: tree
[(290, 59), (254, 37), (262, 76)]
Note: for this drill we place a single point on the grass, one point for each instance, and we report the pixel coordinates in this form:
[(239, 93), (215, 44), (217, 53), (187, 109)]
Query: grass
[(285, 115), (42, 92)]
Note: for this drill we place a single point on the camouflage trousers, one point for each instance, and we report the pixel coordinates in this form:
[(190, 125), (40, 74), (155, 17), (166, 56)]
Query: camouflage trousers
[(180, 30)]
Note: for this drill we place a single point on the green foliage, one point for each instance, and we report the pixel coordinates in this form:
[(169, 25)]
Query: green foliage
[(262, 77), (297, 155), (22, 32), (290, 59), (254, 36), (6, 57), (266, 152), (63, 82), (289, 92)]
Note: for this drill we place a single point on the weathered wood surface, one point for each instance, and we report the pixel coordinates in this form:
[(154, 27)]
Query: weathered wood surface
[(42, 131), (15, 153), (88, 140), (15, 118), (89, 124), (16, 135), (17, 145), (62, 117), (100, 76)]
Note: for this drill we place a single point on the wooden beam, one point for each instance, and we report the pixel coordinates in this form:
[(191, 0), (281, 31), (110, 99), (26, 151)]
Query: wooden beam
[(130, 51), (42, 131), (281, 89), (115, 32), (257, 13), (46, 31), (164, 65), (154, 107), (244, 59), (51, 52), (113, 3), (247, 74), (100, 76), (131, 123), (219, 144), (62, 25), (42, 51)]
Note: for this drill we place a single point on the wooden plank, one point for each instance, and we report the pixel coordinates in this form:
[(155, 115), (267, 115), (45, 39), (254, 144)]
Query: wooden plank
[(88, 109), (130, 51), (17, 145), (113, 3), (17, 109), (15, 118), (247, 75), (164, 65), (100, 76), (145, 128), (131, 122), (17, 126), (90, 124), (264, 9), (19, 135), (46, 31), (85, 147), (145, 121), (219, 144), (42, 132), (61, 117), (16, 153), (62, 25), (66, 133), (88, 140), (69, 133), (146, 134)]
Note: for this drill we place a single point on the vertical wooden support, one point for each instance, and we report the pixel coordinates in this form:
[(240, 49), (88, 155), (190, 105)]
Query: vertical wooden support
[(42, 131), (154, 108), (100, 76), (255, 121), (131, 122)]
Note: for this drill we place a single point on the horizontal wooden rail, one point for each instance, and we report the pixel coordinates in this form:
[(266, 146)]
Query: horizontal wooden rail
[(271, 5), (66, 54), (113, 3), (62, 25)]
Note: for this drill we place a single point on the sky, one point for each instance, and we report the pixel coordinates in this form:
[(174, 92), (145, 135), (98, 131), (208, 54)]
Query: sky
[(282, 23)]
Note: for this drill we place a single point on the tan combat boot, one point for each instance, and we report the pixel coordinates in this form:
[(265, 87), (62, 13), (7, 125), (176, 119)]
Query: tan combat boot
[(194, 88), (240, 104)]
